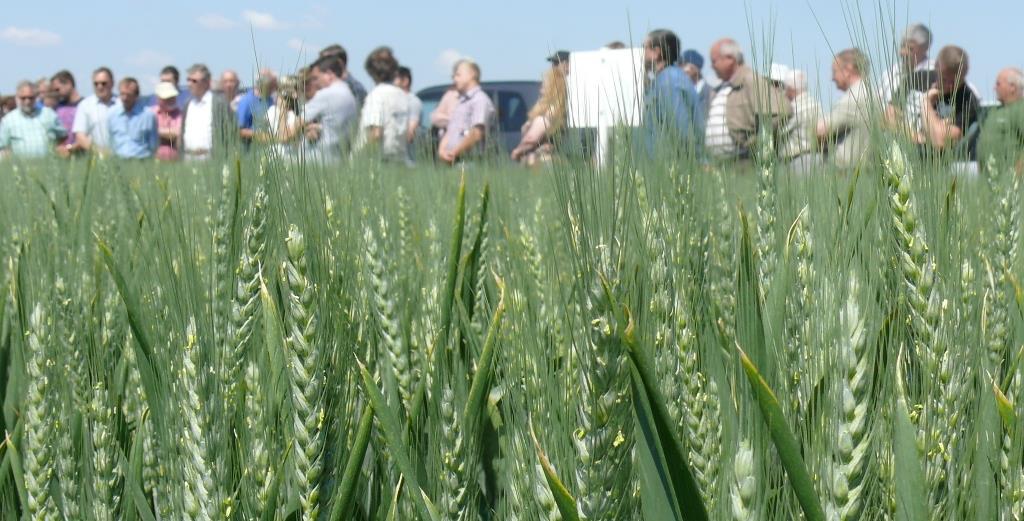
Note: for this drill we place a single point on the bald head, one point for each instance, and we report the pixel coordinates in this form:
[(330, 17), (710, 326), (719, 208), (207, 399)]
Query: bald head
[(726, 58), (229, 84), (1010, 85)]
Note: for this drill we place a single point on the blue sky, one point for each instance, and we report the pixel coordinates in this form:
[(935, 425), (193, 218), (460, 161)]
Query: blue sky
[(508, 39)]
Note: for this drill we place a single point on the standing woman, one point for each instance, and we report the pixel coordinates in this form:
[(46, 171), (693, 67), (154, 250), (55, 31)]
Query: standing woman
[(545, 121), (283, 120)]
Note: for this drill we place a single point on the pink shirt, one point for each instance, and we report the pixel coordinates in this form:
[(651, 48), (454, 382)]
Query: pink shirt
[(168, 150)]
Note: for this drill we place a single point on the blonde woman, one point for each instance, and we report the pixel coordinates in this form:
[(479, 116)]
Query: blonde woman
[(546, 119)]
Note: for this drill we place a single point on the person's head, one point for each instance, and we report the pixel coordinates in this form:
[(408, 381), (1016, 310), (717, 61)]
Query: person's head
[(795, 83), (615, 45), (552, 100), (661, 48), (198, 80), (288, 92), (917, 39), (266, 83), (381, 65), (1010, 85), (166, 95), (26, 96), (42, 87), (327, 70), (951, 65), (170, 74), (128, 90), (848, 68), (692, 63), (403, 78), (64, 84), (229, 84), (726, 58), (103, 83), (307, 82), (560, 60), (52, 98), (465, 75), (335, 51)]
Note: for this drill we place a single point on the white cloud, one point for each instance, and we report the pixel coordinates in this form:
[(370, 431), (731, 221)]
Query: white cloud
[(29, 37), (216, 22), (149, 58), (264, 21), (446, 60), (297, 44)]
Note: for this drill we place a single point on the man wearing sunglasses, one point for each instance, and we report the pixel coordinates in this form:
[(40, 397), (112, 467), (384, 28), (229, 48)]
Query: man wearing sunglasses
[(90, 126), (208, 128), (30, 131)]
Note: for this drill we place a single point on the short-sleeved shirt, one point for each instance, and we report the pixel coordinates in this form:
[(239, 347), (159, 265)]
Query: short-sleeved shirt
[(91, 119), (334, 108), (959, 107), (252, 110), (30, 135), (387, 108), (1002, 133), (848, 123), (474, 109), (66, 115), (133, 133)]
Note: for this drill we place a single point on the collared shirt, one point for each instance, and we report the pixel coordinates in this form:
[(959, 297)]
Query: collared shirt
[(474, 109), (848, 124), (252, 110), (168, 149), (1002, 134), (334, 108), (386, 108), (717, 139), (133, 132), (91, 119), (30, 135), (197, 135), (671, 104)]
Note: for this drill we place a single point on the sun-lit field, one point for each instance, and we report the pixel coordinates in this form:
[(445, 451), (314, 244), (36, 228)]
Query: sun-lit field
[(655, 340)]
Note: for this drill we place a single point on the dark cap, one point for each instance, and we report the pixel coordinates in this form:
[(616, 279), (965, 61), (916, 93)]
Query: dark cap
[(559, 57), (692, 57)]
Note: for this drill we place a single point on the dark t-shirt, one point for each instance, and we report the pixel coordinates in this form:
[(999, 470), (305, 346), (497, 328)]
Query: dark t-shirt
[(960, 106)]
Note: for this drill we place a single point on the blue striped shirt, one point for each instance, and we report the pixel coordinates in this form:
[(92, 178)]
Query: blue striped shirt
[(31, 135)]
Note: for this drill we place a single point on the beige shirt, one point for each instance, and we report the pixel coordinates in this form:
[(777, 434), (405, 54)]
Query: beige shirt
[(848, 125)]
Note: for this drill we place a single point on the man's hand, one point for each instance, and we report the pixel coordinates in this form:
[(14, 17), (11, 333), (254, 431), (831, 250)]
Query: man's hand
[(932, 96), (313, 131), (447, 156)]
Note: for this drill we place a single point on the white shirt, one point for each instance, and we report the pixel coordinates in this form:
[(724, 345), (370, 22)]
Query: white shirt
[(717, 139), (198, 131), (386, 107), (91, 119), (273, 118)]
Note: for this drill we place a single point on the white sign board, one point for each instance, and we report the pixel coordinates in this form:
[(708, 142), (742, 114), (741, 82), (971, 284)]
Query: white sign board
[(605, 88)]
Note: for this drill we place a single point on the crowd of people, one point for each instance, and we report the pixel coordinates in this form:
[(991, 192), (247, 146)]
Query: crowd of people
[(323, 112)]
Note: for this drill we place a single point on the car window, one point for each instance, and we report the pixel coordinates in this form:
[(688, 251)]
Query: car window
[(512, 110), (428, 109)]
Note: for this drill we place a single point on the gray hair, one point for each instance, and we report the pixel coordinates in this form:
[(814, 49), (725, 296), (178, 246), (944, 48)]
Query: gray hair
[(26, 83), (729, 47), (201, 69), (1016, 78), (919, 34), (468, 63)]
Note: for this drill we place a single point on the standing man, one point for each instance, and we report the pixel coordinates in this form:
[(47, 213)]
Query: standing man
[(339, 52), (208, 128), (913, 57), (29, 131), (1002, 134), (471, 118), (64, 84), (950, 107), (330, 115), (693, 65), (800, 137), (845, 129), (133, 131), (384, 121), (229, 85), (671, 106), (743, 102), (90, 126), (403, 80), (253, 105)]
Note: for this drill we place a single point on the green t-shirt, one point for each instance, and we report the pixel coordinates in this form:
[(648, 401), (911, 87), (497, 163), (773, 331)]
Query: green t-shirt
[(1002, 134)]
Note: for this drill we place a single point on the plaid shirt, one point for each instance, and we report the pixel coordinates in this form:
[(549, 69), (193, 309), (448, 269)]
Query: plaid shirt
[(31, 135)]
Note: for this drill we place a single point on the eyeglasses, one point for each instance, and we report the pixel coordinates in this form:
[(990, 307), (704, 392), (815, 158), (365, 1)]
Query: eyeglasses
[(194, 80)]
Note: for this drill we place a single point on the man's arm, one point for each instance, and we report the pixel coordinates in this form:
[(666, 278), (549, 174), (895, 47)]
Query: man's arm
[(473, 136), (938, 132)]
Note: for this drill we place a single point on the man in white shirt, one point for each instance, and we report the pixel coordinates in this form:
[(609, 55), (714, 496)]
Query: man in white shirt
[(385, 115), (90, 126), (207, 126), (846, 129), (328, 117)]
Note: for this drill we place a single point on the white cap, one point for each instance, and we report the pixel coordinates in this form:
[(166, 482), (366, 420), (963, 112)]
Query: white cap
[(166, 90), (778, 72)]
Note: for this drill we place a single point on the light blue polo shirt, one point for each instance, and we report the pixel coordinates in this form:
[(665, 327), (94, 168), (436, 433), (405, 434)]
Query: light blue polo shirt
[(133, 133)]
